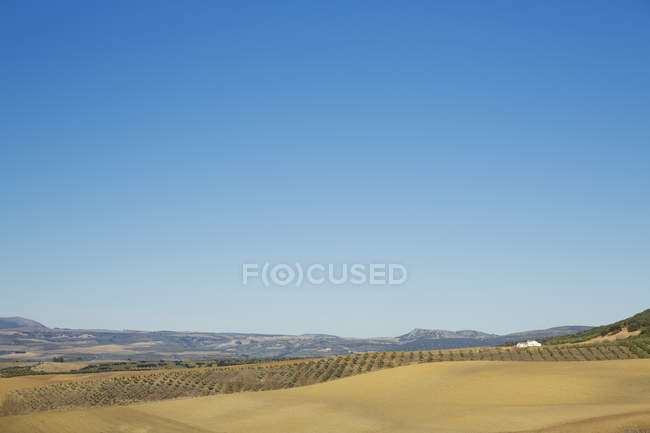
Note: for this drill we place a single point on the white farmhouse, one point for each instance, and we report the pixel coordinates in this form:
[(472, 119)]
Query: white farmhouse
[(529, 343)]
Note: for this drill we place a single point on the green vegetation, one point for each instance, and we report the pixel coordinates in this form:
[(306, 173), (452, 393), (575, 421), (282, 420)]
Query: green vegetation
[(18, 371), (637, 322), (634, 346), (137, 366)]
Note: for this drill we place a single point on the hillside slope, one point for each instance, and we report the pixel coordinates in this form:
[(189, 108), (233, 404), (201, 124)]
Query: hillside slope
[(19, 322), (437, 397), (638, 322)]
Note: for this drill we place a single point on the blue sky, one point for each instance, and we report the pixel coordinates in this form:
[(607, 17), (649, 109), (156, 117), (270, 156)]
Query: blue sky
[(499, 150)]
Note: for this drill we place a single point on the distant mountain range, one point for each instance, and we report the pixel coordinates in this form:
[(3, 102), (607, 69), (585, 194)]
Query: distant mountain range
[(24, 339), (419, 334)]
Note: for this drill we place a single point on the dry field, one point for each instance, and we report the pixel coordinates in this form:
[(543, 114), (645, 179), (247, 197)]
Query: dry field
[(97, 390), (479, 396), (63, 367)]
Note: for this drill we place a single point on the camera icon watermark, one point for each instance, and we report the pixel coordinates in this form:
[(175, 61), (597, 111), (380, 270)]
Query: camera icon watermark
[(316, 274)]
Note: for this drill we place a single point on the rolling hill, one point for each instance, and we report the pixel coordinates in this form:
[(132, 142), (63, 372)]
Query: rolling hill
[(638, 324), (486, 389), (153, 380), (567, 397), (19, 322)]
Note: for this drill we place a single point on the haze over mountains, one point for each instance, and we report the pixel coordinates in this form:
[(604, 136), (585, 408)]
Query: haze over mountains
[(24, 339), (19, 322)]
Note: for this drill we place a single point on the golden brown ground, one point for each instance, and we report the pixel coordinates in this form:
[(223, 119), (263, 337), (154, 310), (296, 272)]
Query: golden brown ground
[(478, 396), (623, 334)]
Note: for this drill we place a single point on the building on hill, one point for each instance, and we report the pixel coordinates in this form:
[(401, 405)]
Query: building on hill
[(529, 343)]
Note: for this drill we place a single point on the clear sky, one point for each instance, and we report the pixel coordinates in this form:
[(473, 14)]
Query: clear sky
[(499, 150)]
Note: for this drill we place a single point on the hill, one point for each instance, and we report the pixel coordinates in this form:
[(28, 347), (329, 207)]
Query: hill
[(19, 322), (439, 334), (33, 341), (568, 397), (545, 333), (639, 322)]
